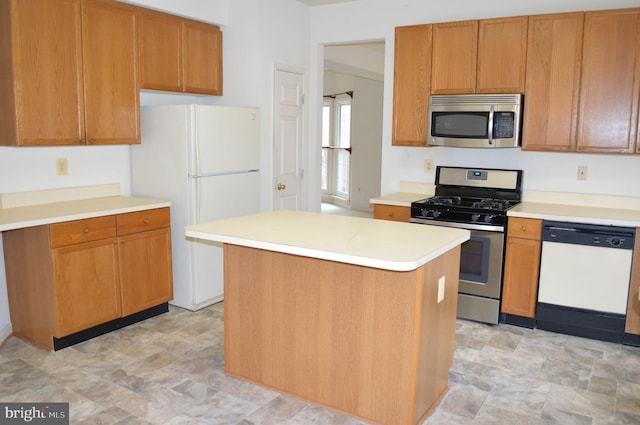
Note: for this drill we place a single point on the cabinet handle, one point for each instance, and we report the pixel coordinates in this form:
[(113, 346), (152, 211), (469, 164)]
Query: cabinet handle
[(85, 231)]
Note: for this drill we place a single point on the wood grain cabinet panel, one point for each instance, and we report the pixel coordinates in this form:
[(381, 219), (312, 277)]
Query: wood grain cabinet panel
[(111, 89), (392, 212), (455, 53), (502, 55), (87, 291), (202, 58), (411, 85), (67, 277), (69, 73), (632, 325), (486, 56), (178, 54), (159, 51), (609, 94), (522, 267), (554, 56), (145, 273), (41, 79)]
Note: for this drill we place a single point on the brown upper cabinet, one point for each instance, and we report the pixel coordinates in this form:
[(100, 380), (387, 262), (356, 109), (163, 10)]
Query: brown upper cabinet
[(54, 79), (582, 85), (609, 91), (178, 54), (486, 56), (411, 83), (554, 55)]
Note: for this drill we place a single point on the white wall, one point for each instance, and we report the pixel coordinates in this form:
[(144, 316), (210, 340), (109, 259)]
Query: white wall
[(375, 19), (256, 34)]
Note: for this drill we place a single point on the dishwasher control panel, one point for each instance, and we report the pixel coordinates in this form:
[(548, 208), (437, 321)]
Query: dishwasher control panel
[(588, 234)]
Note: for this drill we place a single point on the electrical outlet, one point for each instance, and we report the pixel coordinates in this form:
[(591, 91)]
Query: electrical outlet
[(61, 167), (440, 289), (428, 166), (582, 172)]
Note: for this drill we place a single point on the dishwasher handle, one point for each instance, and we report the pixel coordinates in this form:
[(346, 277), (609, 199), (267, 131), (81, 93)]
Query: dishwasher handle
[(588, 234)]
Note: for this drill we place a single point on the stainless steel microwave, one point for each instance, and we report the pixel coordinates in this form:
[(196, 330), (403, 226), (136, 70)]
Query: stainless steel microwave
[(475, 120)]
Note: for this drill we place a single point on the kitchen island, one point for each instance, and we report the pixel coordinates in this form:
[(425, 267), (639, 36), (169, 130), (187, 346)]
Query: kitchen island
[(353, 314)]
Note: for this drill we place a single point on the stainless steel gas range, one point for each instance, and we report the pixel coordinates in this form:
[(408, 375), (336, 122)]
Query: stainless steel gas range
[(476, 199)]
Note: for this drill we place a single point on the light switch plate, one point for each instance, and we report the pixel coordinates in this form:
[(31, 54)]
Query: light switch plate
[(440, 289)]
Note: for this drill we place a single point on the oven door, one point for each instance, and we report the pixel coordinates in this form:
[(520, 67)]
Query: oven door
[(481, 264), (480, 258)]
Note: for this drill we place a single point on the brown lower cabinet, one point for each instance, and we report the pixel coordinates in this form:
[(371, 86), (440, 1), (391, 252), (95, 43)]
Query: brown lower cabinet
[(66, 279), (632, 325), (392, 212), (521, 267)]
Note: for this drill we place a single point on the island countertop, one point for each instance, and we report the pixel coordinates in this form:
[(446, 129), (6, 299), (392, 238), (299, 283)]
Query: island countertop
[(366, 242)]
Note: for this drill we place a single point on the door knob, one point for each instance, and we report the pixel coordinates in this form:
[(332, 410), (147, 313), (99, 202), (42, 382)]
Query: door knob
[(281, 186)]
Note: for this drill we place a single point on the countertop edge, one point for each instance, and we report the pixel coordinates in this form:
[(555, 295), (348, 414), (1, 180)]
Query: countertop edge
[(138, 204), (399, 199), (576, 214), (399, 266)]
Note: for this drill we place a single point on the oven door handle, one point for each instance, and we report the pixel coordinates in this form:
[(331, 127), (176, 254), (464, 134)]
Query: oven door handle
[(467, 226), (490, 124)]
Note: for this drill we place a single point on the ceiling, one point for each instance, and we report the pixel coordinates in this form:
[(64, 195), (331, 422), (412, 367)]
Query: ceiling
[(322, 2)]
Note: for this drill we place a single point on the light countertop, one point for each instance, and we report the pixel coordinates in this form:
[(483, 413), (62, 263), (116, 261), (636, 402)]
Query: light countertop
[(577, 214), (366, 242), (29, 209), (400, 199)]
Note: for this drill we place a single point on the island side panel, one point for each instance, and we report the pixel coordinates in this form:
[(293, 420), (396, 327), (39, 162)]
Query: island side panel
[(436, 328), (340, 335)]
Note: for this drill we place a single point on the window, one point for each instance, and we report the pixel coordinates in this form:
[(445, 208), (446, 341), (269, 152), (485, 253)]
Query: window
[(336, 148)]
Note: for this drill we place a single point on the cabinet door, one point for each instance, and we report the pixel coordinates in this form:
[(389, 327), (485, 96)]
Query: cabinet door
[(392, 212), (411, 82), (502, 55), (41, 73), (145, 270), (202, 63), (159, 51), (455, 52), (632, 325), (111, 91), (552, 86), (521, 269), (86, 285), (608, 112)]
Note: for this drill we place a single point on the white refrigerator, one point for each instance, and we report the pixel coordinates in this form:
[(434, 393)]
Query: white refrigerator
[(205, 160)]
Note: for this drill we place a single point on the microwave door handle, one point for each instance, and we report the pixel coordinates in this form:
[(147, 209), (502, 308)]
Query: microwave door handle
[(490, 124)]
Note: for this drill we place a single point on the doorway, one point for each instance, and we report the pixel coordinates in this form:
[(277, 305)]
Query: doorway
[(353, 80)]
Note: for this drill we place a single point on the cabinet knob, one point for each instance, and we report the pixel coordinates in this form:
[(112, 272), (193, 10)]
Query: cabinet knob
[(145, 221), (85, 231), (91, 141), (524, 228)]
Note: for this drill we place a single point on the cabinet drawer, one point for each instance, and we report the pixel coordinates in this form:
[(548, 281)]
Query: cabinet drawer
[(142, 221), (78, 231), (526, 228), (392, 212)]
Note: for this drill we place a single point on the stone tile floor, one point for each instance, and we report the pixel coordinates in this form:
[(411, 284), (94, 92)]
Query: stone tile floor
[(169, 370)]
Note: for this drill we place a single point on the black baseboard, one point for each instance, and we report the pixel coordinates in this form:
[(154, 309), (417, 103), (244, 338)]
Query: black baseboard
[(69, 340), (579, 322), (631, 339), (512, 319)]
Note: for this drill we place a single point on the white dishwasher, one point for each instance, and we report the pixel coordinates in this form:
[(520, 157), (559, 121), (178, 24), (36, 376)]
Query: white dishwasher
[(584, 279)]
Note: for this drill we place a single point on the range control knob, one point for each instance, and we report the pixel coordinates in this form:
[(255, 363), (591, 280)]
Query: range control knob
[(615, 241), (488, 218), (475, 217)]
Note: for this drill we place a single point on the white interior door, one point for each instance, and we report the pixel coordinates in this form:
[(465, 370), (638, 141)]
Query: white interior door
[(287, 151)]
